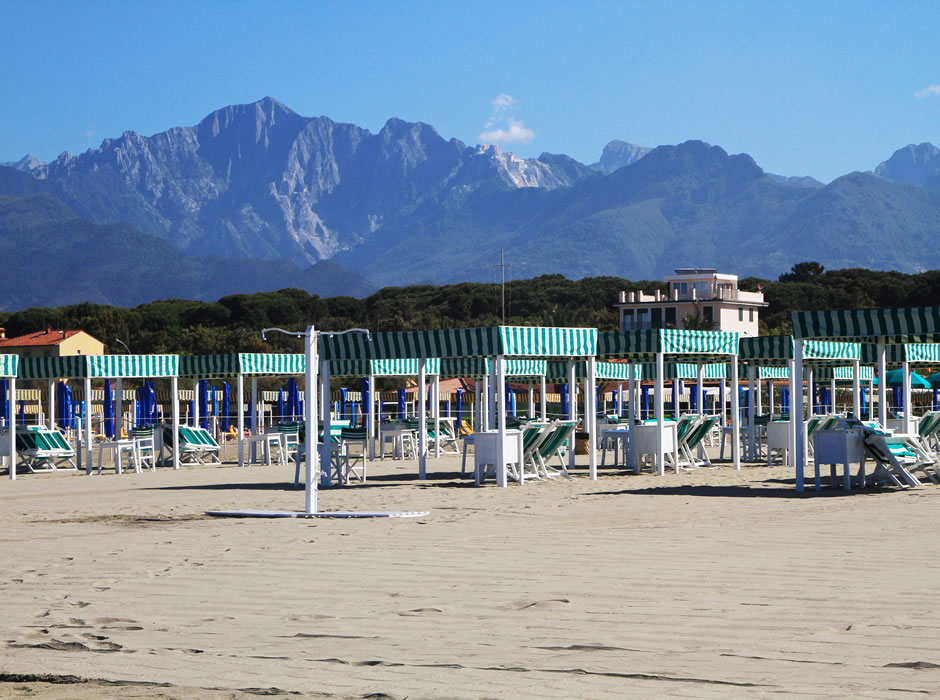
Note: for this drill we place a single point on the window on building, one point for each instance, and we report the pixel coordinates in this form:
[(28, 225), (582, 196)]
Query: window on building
[(642, 320), (656, 318), (740, 313), (670, 317), (702, 290), (707, 314), (750, 315), (682, 288), (628, 319)]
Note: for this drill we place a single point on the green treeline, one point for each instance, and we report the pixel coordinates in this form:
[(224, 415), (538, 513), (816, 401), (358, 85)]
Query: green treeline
[(234, 323)]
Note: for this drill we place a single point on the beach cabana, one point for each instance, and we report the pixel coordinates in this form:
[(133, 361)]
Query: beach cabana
[(917, 326), (8, 367), (91, 367), (240, 365), (499, 342), (680, 346)]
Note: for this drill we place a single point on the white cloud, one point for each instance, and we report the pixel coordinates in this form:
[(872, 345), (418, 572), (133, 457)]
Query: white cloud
[(502, 128), (929, 91), (514, 132)]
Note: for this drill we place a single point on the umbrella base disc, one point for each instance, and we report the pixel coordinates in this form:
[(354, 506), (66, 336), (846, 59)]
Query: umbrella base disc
[(323, 514)]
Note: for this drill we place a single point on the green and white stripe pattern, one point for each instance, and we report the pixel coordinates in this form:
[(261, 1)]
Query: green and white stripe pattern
[(606, 371), (100, 366), (383, 368), (923, 352), (647, 343), (773, 372), (8, 364), (910, 325), (233, 364), (865, 373), (511, 341), (781, 347)]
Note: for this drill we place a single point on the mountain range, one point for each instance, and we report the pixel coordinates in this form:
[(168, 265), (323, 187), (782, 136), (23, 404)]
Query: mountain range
[(257, 187)]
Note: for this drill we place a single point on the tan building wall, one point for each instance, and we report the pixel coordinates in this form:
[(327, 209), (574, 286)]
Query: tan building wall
[(79, 344)]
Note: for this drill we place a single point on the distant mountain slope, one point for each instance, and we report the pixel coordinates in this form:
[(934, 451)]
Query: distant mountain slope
[(691, 204), (50, 257), (259, 180), (618, 154), (913, 165)]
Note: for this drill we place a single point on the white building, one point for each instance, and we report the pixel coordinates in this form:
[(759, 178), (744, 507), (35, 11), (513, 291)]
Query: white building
[(695, 292)]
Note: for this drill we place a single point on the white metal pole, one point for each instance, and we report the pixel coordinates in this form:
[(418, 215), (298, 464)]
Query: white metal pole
[(660, 415), (51, 400), (631, 411), (590, 414), (751, 452), (796, 412), (195, 401), (882, 385), (531, 400), (491, 399), (856, 390), (253, 412), (370, 417), (735, 420), (11, 424), (543, 403), (436, 408), (239, 402), (422, 421), (906, 397), (86, 427), (477, 407), (175, 411), (500, 367), (572, 411), (310, 417), (118, 408)]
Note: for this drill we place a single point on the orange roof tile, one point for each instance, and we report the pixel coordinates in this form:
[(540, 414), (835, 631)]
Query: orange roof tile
[(47, 337)]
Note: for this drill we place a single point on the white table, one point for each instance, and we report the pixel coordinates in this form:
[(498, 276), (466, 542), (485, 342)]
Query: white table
[(844, 447), (778, 438), (644, 443), (485, 448), (396, 432), (621, 437), (268, 442), (116, 447)]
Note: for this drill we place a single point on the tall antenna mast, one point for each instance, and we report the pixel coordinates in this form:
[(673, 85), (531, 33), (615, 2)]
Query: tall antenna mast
[(502, 277)]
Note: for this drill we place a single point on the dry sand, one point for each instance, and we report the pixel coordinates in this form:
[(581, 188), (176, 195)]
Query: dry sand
[(702, 584)]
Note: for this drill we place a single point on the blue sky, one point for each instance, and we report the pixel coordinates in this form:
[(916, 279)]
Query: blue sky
[(806, 88)]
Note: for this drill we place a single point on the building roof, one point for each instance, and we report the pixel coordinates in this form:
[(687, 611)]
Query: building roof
[(46, 337)]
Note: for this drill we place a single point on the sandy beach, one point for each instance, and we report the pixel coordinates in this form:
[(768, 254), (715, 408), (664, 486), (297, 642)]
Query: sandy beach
[(712, 583)]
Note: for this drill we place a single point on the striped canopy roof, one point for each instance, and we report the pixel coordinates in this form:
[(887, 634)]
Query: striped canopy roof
[(647, 343), (921, 353), (233, 364), (407, 367), (780, 348), (511, 341), (104, 366), (617, 371), (865, 373), (910, 325), (8, 365)]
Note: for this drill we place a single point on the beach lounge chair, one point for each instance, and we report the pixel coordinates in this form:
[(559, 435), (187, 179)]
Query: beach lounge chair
[(556, 444), (40, 449), (693, 438), (196, 445)]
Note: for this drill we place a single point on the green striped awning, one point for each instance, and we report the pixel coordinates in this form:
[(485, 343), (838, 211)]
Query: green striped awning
[(768, 348), (910, 325), (865, 373), (102, 366), (773, 372), (923, 352), (383, 368), (513, 341), (8, 365), (647, 343), (684, 370), (233, 364), (467, 367), (605, 371)]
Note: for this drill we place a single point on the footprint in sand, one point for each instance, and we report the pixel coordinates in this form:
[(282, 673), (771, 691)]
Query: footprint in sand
[(550, 604), (419, 611)]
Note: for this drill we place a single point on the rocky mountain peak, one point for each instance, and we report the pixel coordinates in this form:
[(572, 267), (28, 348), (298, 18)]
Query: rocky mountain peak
[(618, 154), (913, 165)]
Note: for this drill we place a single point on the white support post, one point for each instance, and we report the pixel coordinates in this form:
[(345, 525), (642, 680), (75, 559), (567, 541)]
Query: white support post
[(620, 399), (422, 421), (11, 426), (500, 368), (590, 416), (531, 400), (491, 399), (195, 401), (856, 390), (477, 407), (436, 408), (118, 408), (751, 451), (796, 412), (810, 398), (700, 388), (631, 413), (51, 400), (572, 411), (543, 403), (253, 412), (791, 438), (882, 385), (370, 418), (660, 415), (310, 417), (175, 411), (326, 446), (736, 423), (906, 398), (770, 397), (240, 403), (86, 425), (833, 406)]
